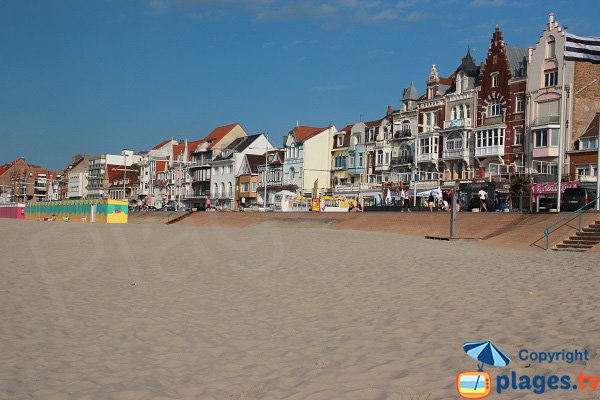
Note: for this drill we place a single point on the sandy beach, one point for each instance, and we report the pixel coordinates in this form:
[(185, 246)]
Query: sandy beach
[(277, 311)]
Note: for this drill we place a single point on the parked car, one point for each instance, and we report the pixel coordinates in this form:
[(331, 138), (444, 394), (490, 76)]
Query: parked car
[(574, 198)]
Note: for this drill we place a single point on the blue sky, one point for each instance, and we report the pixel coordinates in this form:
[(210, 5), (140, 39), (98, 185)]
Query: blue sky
[(100, 75)]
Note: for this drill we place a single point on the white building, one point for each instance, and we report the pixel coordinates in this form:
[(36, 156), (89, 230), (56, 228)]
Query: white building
[(308, 158), (226, 167)]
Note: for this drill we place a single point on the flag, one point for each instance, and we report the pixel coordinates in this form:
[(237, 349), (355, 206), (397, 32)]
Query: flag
[(582, 48)]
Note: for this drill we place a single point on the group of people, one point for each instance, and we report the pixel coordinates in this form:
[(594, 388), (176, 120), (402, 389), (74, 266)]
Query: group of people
[(354, 208), (445, 203)]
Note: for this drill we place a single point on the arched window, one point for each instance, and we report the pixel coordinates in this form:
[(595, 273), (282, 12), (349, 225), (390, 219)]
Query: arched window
[(453, 116), (215, 190), (405, 151), (461, 110), (454, 141), (468, 111), (292, 173), (222, 192), (229, 189), (406, 127)]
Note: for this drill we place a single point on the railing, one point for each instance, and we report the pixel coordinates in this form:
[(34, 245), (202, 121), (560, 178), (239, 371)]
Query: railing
[(402, 160), (497, 150), (457, 123), (546, 120), (579, 213), (427, 157), (464, 175), (545, 167), (402, 134)]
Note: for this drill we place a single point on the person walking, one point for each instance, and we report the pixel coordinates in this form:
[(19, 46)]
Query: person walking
[(431, 201), (482, 200), (404, 200)]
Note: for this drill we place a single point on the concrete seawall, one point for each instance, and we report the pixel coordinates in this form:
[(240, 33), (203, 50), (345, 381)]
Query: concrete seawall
[(497, 229)]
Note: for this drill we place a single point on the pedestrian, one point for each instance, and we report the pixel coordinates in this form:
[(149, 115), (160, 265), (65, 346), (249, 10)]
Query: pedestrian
[(431, 201), (243, 202), (497, 201), (446, 200), (482, 199), (207, 205)]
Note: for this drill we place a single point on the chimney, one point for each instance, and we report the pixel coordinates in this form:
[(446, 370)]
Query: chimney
[(551, 18)]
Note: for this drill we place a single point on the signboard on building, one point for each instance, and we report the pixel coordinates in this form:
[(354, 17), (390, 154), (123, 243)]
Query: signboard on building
[(550, 187)]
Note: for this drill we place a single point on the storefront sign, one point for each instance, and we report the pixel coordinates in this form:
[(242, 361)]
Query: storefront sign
[(550, 187)]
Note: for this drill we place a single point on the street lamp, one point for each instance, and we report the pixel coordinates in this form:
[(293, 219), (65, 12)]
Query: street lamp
[(125, 152)]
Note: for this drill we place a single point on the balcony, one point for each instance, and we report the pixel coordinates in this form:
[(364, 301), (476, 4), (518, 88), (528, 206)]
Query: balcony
[(403, 134), (546, 120), (421, 176), (458, 123), (402, 160), (454, 154), (541, 152), (199, 164), (491, 151), (427, 157)]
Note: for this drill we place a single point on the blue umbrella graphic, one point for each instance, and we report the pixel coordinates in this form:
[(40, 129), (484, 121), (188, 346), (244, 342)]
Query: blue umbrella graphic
[(487, 353)]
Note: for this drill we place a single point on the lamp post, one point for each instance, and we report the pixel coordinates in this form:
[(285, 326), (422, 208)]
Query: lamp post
[(125, 153)]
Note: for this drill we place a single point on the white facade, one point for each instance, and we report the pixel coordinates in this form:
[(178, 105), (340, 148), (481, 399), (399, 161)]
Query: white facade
[(226, 167), (77, 185), (309, 160)]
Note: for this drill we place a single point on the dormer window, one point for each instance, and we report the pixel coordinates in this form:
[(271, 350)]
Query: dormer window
[(430, 92), (340, 140), (459, 82)]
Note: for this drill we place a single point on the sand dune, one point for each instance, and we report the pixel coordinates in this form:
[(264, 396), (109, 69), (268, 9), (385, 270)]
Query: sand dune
[(275, 312)]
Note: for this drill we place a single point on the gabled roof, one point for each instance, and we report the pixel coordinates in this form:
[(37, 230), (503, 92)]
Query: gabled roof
[(238, 145), (132, 176), (192, 145), (254, 160), (592, 129), (347, 128), (218, 134), (161, 144), (372, 123), (303, 133), (517, 60)]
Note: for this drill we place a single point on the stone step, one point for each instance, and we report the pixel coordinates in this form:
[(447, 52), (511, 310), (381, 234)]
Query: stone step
[(591, 235), (576, 240), (592, 229), (574, 246), (570, 249)]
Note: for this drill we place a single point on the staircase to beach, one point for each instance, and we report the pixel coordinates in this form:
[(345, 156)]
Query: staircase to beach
[(581, 241)]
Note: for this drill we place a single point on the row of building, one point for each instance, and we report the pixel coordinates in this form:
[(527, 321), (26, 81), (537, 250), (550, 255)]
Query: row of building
[(494, 120)]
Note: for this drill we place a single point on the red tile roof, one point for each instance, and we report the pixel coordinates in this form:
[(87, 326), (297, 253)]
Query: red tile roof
[(218, 134), (192, 145), (347, 128), (161, 144), (303, 133), (373, 123)]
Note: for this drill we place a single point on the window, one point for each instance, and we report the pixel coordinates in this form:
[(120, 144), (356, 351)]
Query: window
[(340, 140), (387, 158), (379, 157), (454, 141), (453, 114), (229, 189), (222, 192), (490, 138), (518, 136), (385, 133), (550, 47), (406, 127), (351, 164), (586, 170), (519, 102), (494, 108), (360, 161), (588, 143), (541, 138), (430, 93), (495, 80), (551, 78), (253, 187), (245, 186), (292, 173)]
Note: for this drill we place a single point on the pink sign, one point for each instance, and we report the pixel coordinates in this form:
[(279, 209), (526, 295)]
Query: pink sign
[(550, 187)]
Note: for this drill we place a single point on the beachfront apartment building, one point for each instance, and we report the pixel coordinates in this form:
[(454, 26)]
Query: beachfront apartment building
[(102, 168), (307, 165), (357, 152), (339, 157), (77, 177), (500, 112), (226, 168), (404, 123), (457, 132), (431, 108), (21, 181), (271, 175), (246, 192), (201, 157)]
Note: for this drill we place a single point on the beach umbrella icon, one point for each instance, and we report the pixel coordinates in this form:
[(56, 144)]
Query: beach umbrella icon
[(487, 353)]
